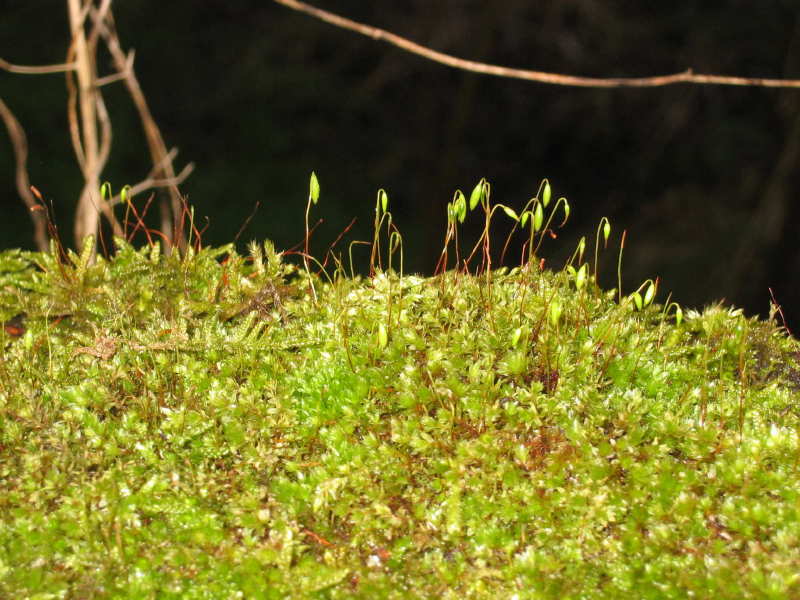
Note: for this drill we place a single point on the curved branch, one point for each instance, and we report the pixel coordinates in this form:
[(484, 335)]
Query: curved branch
[(105, 134), (72, 113), (152, 182), (119, 75), (7, 66), (158, 151), (687, 76), (20, 144)]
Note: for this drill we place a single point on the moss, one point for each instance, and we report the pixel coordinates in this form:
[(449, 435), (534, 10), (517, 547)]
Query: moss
[(217, 424)]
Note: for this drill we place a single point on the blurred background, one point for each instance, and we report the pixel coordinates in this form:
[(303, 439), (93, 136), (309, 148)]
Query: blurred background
[(703, 178)]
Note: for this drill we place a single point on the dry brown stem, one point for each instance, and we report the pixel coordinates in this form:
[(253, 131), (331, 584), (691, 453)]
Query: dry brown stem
[(19, 143), (90, 127), (155, 142), (87, 216), (152, 182), (687, 76), (25, 70)]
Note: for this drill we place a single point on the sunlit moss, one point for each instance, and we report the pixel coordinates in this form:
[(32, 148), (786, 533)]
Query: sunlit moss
[(213, 424)]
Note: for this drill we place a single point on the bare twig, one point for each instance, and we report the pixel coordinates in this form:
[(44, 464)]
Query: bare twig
[(7, 66), (687, 76), (87, 218), (152, 182), (155, 142), (105, 133), (119, 76), (102, 158), (20, 144), (72, 114), (98, 16), (168, 157), (90, 127)]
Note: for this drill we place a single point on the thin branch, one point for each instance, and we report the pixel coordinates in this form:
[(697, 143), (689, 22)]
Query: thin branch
[(105, 134), (169, 157), (90, 127), (98, 16), (155, 141), (20, 144), (120, 75), (687, 76), (102, 157), (100, 205), (72, 113), (87, 217), (151, 182), (7, 66)]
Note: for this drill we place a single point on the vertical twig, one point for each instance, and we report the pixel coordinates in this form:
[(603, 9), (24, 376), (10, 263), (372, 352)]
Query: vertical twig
[(92, 148), (87, 217), (90, 128)]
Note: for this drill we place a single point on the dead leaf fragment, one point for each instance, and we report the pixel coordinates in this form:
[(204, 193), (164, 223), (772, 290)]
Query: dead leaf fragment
[(104, 348)]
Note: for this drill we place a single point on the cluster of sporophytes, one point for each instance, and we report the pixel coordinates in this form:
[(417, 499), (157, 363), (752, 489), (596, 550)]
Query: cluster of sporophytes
[(218, 425)]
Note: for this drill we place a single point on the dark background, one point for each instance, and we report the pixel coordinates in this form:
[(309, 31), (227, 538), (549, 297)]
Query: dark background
[(703, 178)]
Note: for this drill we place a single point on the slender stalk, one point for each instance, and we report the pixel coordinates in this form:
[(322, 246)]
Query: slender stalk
[(619, 265), (87, 217)]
